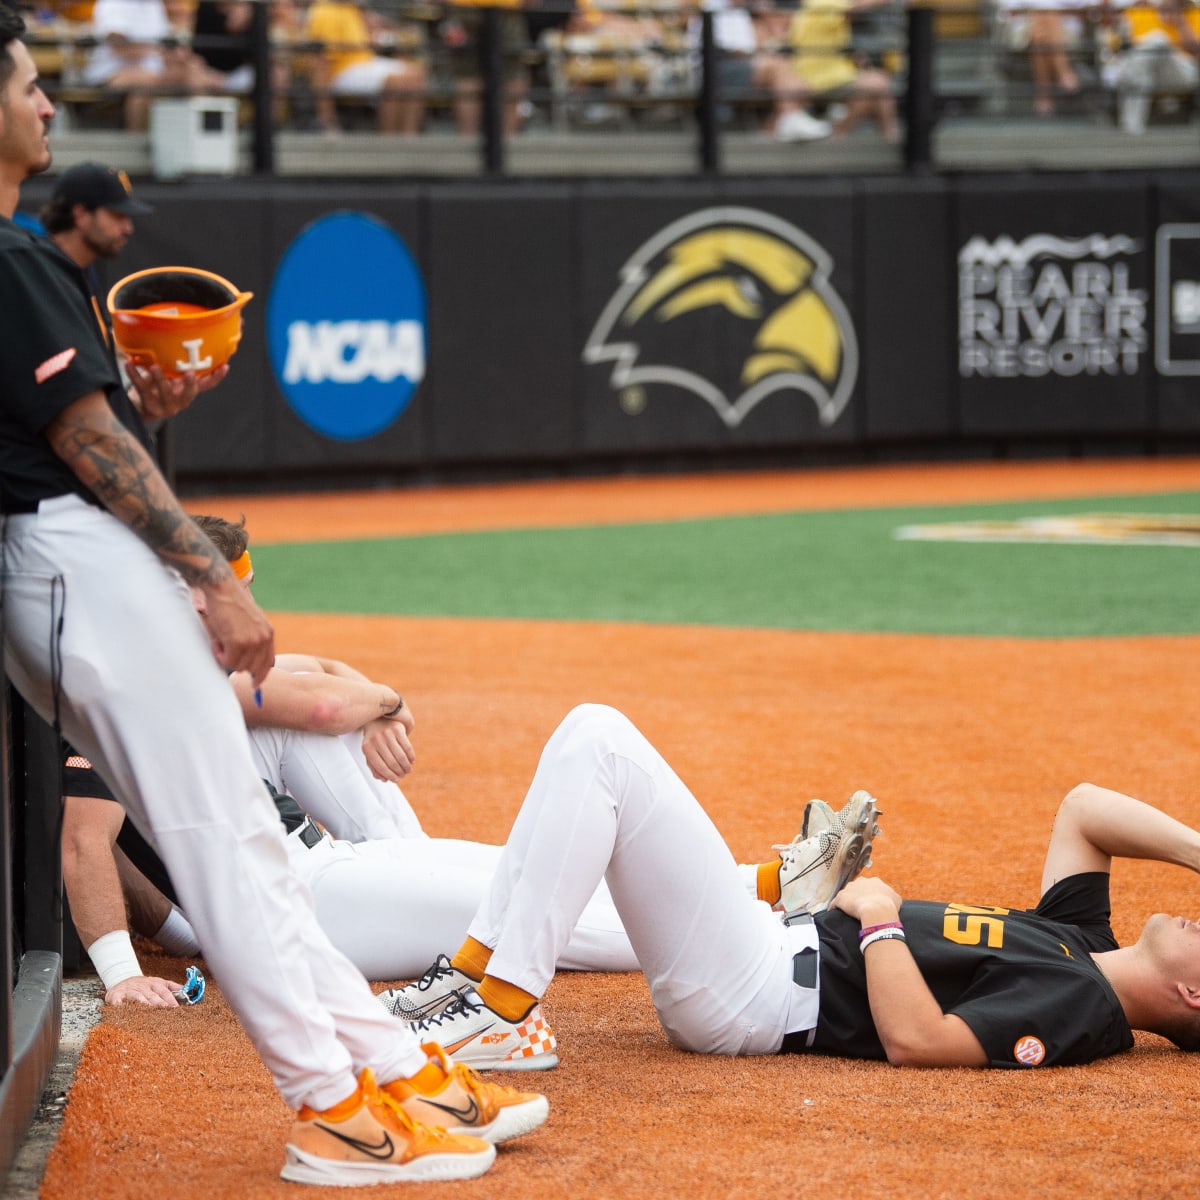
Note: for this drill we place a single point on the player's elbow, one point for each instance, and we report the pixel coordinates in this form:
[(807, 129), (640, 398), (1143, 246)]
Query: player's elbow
[(327, 714), (945, 1043), (907, 1053)]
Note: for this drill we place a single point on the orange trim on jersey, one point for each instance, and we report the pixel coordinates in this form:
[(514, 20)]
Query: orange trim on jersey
[(100, 319)]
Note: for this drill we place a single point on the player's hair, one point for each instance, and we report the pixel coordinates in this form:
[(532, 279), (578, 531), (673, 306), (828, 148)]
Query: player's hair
[(12, 29), (57, 214), (1183, 1029), (229, 538)]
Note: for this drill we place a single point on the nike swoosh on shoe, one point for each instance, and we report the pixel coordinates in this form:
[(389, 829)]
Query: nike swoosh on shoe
[(451, 1047), (384, 1149), (470, 1113)]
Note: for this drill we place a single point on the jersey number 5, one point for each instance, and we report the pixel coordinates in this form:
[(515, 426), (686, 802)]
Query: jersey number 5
[(968, 926)]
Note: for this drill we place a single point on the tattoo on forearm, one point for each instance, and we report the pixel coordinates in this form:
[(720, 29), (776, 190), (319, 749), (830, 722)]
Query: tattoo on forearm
[(110, 460)]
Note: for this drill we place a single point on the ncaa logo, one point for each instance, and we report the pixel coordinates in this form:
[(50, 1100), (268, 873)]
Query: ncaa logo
[(1029, 1051), (346, 326)]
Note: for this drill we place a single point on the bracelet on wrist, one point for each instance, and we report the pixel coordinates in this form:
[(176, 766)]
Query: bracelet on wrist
[(881, 935), (869, 929), (399, 705)]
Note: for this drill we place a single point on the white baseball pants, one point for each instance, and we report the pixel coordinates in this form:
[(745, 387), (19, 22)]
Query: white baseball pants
[(604, 804), (328, 777), (392, 906), (143, 698)]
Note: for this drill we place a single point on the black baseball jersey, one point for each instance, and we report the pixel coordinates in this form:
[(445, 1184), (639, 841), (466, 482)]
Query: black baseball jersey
[(54, 351), (1023, 980)]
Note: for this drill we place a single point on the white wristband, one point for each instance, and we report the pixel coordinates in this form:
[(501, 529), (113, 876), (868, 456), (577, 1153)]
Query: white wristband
[(881, 935), (113, 957)]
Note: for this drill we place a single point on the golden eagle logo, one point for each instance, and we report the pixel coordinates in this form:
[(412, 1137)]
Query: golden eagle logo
[(743, 289)]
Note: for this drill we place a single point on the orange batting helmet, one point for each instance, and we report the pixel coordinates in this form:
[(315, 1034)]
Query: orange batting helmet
[(181, 318)]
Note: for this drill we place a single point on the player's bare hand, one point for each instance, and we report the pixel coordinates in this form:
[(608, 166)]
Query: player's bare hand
[(870, 901), (242, 637), (387, 749), (144, 989), (158, 396)]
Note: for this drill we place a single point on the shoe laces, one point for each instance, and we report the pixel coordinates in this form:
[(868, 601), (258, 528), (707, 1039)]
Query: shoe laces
[(395, 1110), (468, 1079), (439, 969), (464, 1004), (792, 853)]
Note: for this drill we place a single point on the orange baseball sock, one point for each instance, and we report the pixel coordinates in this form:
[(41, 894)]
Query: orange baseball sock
[(506, 999), (768, 881), (472, 959)]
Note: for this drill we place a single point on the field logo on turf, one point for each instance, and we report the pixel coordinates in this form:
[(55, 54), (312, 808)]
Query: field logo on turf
[(346, 323), (746, 282), (1048, 305), (1084, 529)]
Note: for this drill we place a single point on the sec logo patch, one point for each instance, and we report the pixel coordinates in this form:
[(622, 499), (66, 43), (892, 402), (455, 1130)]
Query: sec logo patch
[(1029, 1051)]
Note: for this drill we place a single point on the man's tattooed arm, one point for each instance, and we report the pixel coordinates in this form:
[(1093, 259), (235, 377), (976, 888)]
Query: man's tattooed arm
[(106, 457)]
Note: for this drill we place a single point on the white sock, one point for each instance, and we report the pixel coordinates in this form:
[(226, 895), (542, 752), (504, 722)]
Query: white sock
[(176, 936)]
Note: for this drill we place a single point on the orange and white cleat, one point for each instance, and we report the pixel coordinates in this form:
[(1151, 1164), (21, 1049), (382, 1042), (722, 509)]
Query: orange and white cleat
[(450, 1094), (473, 1034), (369, 1138)]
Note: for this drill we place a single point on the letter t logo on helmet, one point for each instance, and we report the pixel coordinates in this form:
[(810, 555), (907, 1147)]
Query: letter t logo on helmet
[(179, 318)]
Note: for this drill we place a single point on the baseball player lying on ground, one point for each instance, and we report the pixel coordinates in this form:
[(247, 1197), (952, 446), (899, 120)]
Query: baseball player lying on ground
[(860, 973)]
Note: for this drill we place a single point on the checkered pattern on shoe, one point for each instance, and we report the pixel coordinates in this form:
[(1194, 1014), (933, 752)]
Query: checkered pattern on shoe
[(536, 1036), (474, 1034)]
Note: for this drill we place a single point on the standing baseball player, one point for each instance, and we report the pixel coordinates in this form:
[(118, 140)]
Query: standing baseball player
[(869, 976), (101, 639), (89, 217)]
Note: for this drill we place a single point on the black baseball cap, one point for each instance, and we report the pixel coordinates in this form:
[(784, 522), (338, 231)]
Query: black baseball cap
[(96, 186)]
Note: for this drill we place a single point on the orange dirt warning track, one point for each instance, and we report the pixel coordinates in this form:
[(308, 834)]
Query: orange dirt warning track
[(969, 743)]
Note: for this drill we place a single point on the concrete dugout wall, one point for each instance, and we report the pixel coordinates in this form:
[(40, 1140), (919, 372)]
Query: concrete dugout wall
[(565, 322)]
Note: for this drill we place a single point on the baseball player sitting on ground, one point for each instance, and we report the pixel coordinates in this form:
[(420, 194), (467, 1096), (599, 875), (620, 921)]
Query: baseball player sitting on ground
[(323, 729), (358, 884), (862, 973)]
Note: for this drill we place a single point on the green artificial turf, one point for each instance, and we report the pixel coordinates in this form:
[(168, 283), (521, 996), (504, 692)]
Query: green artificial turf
[(840, 570)]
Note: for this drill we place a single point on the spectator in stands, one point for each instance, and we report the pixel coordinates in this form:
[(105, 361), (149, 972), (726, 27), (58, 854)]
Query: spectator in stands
[(1048, 30), (221, 35), (1160, 49), (820, 35), (747, 64), (349, 66), (461, 32), (139, 53)]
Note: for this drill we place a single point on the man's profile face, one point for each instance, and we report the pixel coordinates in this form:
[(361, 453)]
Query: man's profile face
[(104, 232), (25, 115)]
